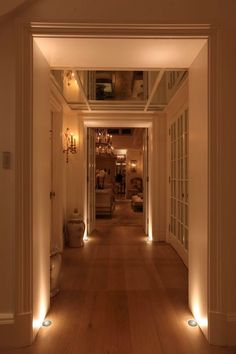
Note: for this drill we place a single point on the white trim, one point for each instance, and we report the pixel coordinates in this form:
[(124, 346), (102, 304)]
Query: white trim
[(6, 318), (231, 317), (111, 30), (112, 121), (223, 327), (59, 99), (182, 252), (16, 330), (231, 329), (173, 111)]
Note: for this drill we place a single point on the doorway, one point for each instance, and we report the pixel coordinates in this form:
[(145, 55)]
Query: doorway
[(119, 168), (25, 120), (118, 179)]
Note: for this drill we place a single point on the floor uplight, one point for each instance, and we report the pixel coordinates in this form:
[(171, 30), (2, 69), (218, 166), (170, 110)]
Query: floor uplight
[(192, 323), (46, 323)]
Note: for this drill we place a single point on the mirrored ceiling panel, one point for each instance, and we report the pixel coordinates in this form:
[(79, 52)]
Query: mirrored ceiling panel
[(118, 90)]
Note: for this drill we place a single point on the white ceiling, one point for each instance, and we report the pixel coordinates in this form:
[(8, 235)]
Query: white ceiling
[(114, 53)]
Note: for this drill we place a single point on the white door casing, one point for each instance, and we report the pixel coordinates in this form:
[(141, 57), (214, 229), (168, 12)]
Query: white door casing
[(115, 121), (145, 181), (23, 241), (57, 185), (90, 181)]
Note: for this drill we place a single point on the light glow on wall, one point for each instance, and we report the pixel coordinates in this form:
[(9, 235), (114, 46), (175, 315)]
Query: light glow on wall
[(85, 238), (201, 320), (150, 235), (37, 322)]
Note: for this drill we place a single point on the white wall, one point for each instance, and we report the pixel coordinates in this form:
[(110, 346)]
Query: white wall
[(159, 176), (198, 189), (133, 154), (41, 187), (7, 177), (74, 168)]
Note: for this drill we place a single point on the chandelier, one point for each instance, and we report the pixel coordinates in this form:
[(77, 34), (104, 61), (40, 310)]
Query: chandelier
[(103, 143)]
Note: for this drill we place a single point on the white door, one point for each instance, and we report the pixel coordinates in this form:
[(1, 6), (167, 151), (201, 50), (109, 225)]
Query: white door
[(56, 193), (178, 180), (90, 180), (145, 180)]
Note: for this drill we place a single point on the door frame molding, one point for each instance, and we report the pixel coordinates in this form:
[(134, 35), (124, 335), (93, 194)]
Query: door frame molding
[(131, 121), (23, 242)]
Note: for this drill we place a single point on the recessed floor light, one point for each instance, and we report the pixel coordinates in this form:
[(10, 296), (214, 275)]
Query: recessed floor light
[(192, 323), (47, 323)]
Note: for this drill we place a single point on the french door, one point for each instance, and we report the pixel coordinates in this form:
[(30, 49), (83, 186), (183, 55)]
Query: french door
[(179, 184), (90, 180)]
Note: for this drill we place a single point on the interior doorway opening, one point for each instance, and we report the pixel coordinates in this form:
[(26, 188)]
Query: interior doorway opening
[(119, 176), (197, 297)]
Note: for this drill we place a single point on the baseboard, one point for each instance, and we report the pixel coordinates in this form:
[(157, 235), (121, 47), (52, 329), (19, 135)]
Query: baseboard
[(6, 318), (159, 236), (162, 236), (222, 329), (16, 331), (231, 329), (179, 248)]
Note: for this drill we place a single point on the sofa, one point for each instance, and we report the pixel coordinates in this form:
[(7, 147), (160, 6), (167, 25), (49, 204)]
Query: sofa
[(105, 202)]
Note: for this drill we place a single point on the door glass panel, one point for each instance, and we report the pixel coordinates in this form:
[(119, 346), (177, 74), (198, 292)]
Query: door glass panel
[(179, 179)]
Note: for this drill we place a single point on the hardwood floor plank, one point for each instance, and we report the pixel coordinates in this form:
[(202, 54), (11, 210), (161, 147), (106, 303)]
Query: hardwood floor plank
[(144, 335)]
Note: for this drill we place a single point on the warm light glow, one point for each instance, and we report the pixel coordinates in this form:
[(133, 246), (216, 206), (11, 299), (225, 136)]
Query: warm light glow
[(85, 238), (133, 165), (76, 138), (150, 236), (37, 322), (201, 320), (192, 323)]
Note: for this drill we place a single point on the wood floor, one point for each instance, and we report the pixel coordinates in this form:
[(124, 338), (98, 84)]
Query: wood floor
[(121, 295), (122, 214)]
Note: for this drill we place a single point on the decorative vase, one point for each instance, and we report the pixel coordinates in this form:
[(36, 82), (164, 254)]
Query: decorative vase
[(55, 267), (76, 228)]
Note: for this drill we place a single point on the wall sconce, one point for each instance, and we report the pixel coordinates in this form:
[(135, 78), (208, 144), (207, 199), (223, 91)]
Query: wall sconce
[(70, 144), (70, 75), (133, 165)]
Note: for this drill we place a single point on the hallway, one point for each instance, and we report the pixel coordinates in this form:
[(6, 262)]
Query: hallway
[(121, 295)]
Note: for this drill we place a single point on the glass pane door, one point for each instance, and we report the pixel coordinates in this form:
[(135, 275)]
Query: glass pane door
[(179, 179)]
